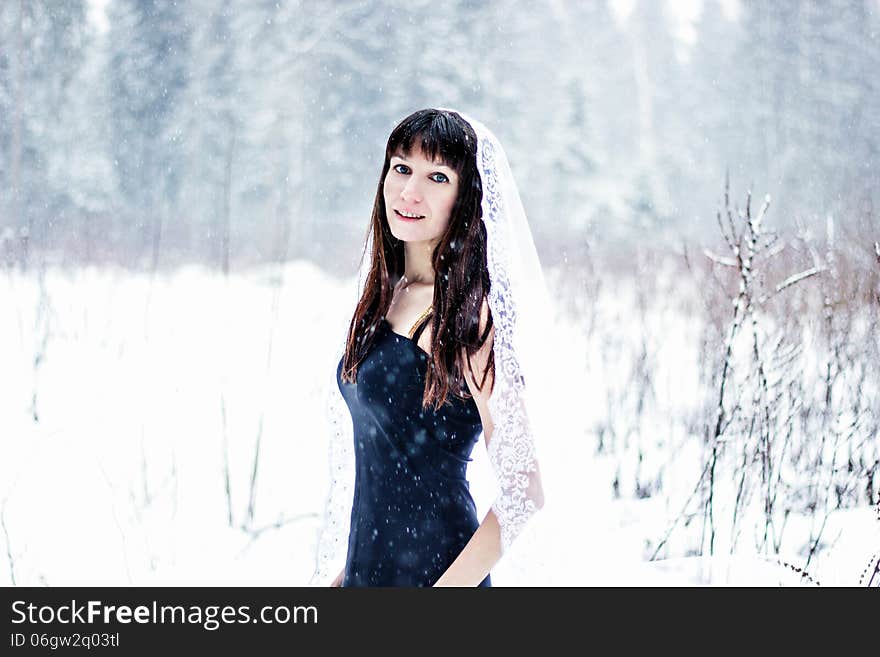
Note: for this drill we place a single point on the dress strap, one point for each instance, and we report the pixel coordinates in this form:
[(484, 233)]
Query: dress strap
[(420, 324)]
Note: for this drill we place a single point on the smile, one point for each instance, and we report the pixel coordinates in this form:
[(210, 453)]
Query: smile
[(407, 216)]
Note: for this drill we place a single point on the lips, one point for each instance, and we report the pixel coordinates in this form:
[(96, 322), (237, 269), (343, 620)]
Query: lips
[(405, 218)]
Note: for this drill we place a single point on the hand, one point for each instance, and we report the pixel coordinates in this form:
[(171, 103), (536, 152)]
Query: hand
[(338, 581)]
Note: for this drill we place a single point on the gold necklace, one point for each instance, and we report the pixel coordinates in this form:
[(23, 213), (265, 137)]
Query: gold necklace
[(419, 321)]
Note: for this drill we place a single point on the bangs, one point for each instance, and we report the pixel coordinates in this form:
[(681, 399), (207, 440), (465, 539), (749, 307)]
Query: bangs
[(439, 137)]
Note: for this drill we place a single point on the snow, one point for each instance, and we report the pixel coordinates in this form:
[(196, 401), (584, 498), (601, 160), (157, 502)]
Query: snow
[(144, 387)]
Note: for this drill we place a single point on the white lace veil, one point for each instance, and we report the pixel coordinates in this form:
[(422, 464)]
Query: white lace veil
[(522, 396)]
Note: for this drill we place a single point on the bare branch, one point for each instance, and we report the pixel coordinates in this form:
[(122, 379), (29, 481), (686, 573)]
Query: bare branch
[(791, 280), (721, 260), (227, 483), (9, 556), (727, 238)]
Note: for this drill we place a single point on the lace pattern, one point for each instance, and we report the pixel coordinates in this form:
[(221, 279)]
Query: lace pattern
[(511, 448), (334, 531)]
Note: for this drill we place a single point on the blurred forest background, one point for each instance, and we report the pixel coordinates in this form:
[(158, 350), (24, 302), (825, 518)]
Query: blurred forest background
[(228, 132)]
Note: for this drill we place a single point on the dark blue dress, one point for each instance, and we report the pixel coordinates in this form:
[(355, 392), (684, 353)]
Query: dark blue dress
[(412, 513)]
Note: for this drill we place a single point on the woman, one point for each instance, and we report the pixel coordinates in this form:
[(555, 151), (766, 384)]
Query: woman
[(424, 371)]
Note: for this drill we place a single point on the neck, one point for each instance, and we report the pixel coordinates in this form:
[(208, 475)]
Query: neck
[(417, 268)]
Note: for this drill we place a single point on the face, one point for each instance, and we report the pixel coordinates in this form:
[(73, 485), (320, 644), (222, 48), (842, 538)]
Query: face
[(422, 189)]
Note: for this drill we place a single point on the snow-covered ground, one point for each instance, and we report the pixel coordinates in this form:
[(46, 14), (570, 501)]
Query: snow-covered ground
[(134, 411)]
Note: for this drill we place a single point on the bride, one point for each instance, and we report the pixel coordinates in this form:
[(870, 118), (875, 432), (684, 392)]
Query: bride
[(450, 340)]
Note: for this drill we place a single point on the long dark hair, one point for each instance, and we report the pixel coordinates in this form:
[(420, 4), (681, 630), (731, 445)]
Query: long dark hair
[(461, 275)]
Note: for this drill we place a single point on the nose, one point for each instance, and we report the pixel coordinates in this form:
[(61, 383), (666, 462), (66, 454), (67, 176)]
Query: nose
[(410, 192)]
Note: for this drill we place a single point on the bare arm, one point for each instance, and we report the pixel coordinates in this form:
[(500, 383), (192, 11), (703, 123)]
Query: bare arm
[(484, 549)]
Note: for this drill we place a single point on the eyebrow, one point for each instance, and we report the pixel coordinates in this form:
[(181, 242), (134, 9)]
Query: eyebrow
[(436, 164)]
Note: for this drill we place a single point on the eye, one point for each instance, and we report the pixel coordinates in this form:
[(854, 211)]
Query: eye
[(437, 177)]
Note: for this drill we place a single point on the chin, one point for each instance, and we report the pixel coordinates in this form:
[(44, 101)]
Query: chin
[(407, 238), (407, 233)]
